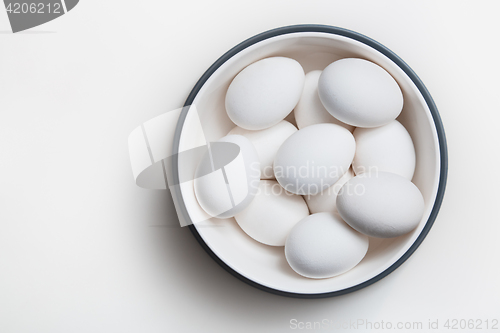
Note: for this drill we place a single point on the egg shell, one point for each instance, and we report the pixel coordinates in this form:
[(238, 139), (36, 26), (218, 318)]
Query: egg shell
[(310, 110), (381, 204), (322, 246), (264, 93), (314, 158), (267, 142), (326, 201), (272, 214), (360, 93), (386, 148), (227, 177)]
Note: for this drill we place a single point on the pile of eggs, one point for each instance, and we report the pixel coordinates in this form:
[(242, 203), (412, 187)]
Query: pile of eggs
[(322, 189)]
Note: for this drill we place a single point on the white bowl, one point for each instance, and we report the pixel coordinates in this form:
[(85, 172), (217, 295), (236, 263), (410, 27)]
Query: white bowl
[(314, 46)]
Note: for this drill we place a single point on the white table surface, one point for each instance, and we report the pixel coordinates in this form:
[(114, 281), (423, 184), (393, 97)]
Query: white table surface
[(82, 249)]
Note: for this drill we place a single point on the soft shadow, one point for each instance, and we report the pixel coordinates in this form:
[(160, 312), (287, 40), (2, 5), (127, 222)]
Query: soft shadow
[(210, 286)]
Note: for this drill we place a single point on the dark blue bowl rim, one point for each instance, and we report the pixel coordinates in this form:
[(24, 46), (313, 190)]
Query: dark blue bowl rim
[(377, 46)]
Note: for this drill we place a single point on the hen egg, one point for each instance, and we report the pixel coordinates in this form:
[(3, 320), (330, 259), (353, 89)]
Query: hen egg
[(267, 142), (264, 93), (310, 110), (227, 177), (381, 204), (386, 148), (322, 246), (314, 158), (272, 214), (360, 93)]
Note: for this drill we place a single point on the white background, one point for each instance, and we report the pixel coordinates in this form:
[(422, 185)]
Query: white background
[(82, 249)]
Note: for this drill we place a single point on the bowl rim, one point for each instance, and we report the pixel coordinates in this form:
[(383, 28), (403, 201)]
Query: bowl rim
[(443, 173)]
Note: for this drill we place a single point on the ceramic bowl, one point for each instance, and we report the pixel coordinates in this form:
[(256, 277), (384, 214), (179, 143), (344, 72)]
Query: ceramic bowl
[(315, 47)]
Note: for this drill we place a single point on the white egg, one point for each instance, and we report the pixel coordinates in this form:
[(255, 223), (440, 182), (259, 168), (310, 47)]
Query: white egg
[(314, 158), (326, 201), (272, 214), (386, 148), (227, 177), (360, 93), (310, 110), (264, 93), (323, 246), (267, 142), (381, 204)]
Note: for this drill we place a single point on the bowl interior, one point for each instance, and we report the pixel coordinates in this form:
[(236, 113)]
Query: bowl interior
[(267, 265)]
